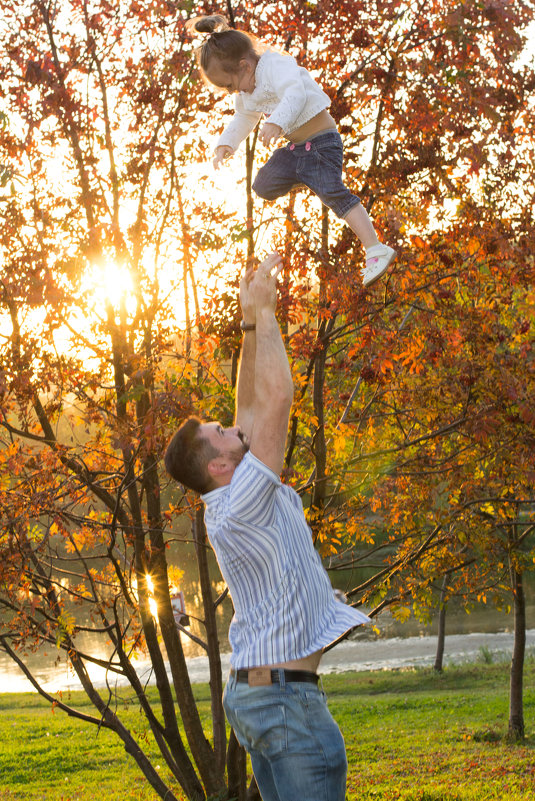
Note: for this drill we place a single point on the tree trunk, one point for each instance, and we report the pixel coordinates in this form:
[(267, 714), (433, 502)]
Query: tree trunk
[(439, 656), (212, 639), (253, 793), (234, 367), (516, 713), (319, 445), (250, 144), (236, 769)]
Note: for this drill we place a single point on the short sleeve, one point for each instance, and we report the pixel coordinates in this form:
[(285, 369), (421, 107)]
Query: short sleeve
[(252, 492)]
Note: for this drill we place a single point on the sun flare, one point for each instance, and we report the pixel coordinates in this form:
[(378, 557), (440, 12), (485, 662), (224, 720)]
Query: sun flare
[(153, 606), (110, 283)]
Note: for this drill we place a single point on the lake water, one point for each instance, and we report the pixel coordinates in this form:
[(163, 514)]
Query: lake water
[(385, 644), (394, 645)]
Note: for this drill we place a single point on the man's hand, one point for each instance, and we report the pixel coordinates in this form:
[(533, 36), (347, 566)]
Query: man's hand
[(247, 301), (262, 284), (269, 133), (221, 153)]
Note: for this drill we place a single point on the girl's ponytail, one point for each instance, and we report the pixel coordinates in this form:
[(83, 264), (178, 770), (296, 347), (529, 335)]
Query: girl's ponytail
[(215, 23), (225, 44)]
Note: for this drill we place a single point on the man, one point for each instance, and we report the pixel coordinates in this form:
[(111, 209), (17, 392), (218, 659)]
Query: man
[(285, 608)]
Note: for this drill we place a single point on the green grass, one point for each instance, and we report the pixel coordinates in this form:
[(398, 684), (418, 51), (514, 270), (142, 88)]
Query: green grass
[(415, 736), (410, 735)]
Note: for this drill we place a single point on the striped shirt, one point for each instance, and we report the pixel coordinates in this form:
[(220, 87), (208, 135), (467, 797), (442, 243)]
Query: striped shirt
[(284, 604)]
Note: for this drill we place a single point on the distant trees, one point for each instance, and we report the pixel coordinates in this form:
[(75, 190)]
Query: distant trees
[(412, 433)]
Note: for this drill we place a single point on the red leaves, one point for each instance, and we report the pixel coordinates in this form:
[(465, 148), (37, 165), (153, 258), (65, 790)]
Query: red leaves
[(38, 72), (361, 37), (527, 413)]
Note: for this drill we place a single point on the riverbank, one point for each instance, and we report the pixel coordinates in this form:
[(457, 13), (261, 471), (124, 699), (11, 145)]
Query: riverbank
[(411, 735), (362, 652)]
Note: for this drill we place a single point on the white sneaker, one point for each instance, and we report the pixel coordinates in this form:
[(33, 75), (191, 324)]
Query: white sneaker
[(378, 260)]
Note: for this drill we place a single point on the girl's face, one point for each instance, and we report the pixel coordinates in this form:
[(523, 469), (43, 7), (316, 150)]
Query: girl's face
[(241, 80)]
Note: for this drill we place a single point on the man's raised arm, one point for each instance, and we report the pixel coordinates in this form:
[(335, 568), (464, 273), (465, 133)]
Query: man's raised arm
[(273, 380), (245, 388)]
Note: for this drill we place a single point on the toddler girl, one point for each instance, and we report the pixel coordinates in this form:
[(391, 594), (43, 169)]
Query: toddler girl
[(271, 83)]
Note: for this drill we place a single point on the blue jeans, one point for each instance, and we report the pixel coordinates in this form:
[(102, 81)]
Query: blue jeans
[(317, 164), (296, 748)]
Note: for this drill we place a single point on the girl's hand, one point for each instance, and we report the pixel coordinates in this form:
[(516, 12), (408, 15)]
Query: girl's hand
[(269, 133), (221, 153)]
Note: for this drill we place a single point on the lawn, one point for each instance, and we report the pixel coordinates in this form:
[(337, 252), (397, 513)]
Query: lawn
[(411, 736)]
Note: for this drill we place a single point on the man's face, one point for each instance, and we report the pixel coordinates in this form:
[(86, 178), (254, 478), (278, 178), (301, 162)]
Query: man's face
[(231, 443)]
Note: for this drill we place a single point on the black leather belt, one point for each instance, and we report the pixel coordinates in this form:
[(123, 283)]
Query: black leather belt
[(262, 676)]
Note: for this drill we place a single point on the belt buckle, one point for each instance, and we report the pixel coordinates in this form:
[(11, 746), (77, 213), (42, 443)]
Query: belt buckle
[(259, 677)]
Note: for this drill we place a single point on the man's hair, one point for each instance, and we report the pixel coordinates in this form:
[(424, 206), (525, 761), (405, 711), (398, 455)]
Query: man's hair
[(187, 456)]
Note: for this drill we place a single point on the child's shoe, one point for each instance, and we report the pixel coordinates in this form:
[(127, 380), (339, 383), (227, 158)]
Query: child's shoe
[(378, 260)]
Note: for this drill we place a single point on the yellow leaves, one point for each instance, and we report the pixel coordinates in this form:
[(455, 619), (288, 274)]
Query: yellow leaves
[(300, 380), (401, 613), (339, 443), (354, 350), (34, 533), (380, 593), (358, 530), (327, 531), (189, 372), (289, 225), (329, 548), (171, 512), (410, 358), (83, 590), (386, 365), (175, 575), (341, 438), (473, 246), (87, 536), (375, 503), (308, 422), (66, 624), (418, 242)]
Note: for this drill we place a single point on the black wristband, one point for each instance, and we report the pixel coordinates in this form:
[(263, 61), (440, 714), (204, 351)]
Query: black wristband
[(247, 326)]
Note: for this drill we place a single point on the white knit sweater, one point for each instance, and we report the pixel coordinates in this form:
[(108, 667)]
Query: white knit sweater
[(285, 92)]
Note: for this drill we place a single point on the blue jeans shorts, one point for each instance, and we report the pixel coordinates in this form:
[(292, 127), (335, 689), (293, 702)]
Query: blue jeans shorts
[(297, 750), (316, 163)]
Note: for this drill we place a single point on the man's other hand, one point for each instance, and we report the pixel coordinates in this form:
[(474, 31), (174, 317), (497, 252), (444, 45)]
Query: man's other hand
[(247, 301), (262, 283)]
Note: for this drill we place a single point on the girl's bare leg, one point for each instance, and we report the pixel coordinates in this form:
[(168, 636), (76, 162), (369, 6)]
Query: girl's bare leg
[(378, 257), (361, 225)]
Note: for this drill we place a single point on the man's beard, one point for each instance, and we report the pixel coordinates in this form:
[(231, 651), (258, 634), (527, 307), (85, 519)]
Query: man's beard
[(245, 441), (237, 455)]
